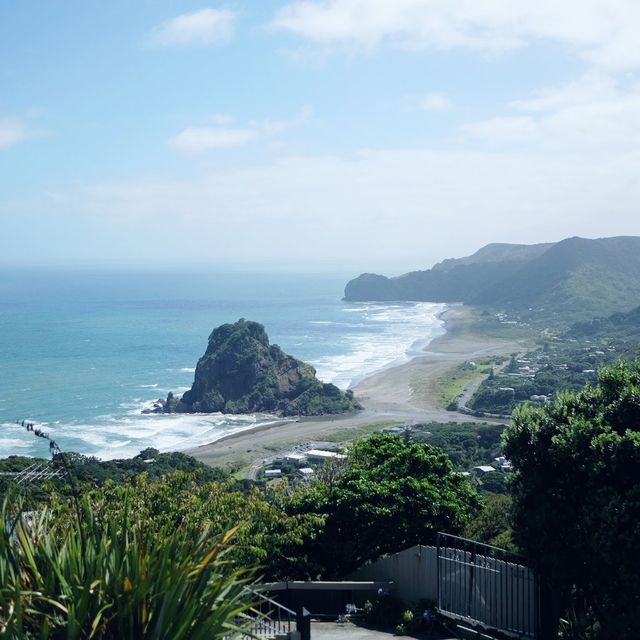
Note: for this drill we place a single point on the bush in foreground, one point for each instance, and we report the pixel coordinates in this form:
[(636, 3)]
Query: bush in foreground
[(90, 578)]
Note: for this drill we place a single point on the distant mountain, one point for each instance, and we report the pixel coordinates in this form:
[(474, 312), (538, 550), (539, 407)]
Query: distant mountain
[(497, 252), (572, 279)]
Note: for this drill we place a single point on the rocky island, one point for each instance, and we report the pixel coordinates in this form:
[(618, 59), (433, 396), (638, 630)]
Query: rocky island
[(241, 372)]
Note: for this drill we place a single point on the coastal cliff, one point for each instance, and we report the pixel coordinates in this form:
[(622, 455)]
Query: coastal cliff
[(241, 372), (572, 280)]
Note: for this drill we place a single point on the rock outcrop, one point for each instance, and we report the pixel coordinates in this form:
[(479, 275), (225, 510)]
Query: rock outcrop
[(241, 372)]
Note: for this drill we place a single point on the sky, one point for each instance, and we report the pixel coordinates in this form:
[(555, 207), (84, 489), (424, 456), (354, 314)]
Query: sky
[(362, 134)]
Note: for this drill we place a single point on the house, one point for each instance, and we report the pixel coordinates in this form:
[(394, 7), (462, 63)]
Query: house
[(400, 431), (320, 455), (503, 463), (295, 458), (483, 470), (306, 473), (273, 473)]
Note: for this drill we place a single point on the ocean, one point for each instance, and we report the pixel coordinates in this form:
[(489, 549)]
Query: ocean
[(83, 352)]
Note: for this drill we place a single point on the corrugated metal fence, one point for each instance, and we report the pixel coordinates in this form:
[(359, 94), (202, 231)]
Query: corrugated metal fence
[(469, 581), (413, 571)]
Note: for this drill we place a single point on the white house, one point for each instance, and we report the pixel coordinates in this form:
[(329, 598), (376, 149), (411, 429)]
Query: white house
[(295, 458), (483, 469), (320, 455), (306, 472)]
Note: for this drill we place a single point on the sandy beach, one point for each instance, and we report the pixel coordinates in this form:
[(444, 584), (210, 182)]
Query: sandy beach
[(405, 393)]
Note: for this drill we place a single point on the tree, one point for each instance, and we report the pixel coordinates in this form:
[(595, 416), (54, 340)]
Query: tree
[(267, 537), (391, 494), (493, 524), (576, 492)]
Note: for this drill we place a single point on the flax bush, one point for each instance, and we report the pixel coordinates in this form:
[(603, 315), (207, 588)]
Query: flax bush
[(107, 579)]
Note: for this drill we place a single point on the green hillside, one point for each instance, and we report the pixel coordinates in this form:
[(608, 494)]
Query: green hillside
[(626, 325), (575, 279)]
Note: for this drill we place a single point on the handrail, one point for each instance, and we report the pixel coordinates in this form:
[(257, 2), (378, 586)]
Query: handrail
[(270, 601), (504, 552), (267, 618)]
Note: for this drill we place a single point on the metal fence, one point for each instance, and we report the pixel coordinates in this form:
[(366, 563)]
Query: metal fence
[(482, 584)]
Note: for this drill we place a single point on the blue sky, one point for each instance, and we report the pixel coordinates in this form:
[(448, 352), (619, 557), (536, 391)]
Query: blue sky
[(364, 134)]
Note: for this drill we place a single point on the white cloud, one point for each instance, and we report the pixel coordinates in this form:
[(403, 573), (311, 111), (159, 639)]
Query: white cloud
[(203, 27), (377, 205), (207, 138), (502, 130), (587, 89), (220, 118), (435, 102), (198, 139), (16, 129), (590, 114), (603, 31)]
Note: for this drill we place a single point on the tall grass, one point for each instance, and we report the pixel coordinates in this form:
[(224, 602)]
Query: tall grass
[(83, 578)]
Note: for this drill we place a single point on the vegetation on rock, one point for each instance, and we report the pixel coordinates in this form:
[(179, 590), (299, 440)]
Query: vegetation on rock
[(241, 372)]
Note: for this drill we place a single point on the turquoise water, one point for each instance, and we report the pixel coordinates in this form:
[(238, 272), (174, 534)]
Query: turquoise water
[(82, 353)]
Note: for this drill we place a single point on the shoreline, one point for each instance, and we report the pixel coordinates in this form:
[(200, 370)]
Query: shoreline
[(409, 355), (391, 396), (329, 417)]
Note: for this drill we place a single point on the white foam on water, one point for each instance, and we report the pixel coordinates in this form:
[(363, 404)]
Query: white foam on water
[(188, 369), (397, 333), (125, 436), (13, 443)]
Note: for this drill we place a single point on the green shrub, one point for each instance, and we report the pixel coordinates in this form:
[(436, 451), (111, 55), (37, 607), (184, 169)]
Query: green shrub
[(87, 578), (407, 617), (385, 611)]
